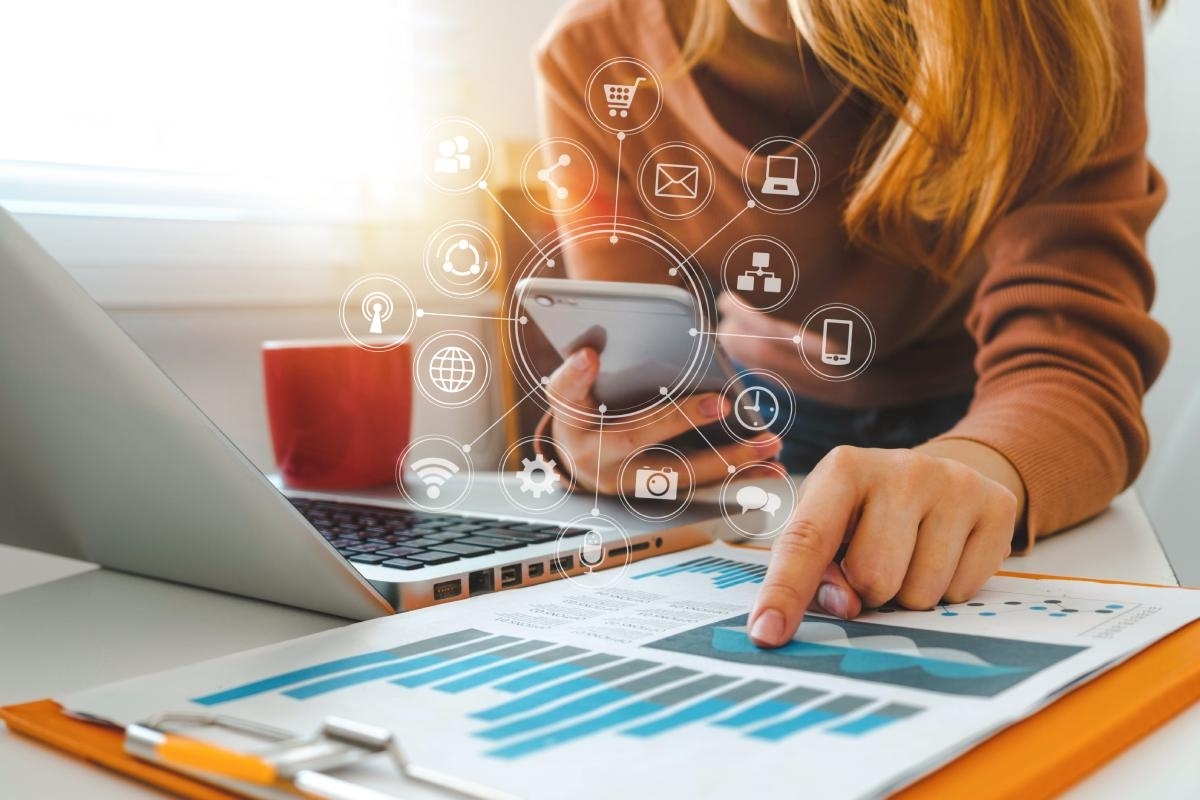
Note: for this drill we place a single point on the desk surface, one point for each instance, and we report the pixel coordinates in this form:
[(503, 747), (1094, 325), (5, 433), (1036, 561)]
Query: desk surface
[(83, 626)]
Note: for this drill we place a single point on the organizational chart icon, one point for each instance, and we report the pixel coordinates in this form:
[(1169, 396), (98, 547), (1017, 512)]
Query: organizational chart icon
[(623, 95), (377, 312), (559, 176), (462, 259), (676, 180), (452, 369), (781, 175), (760, 273), (456, 155)]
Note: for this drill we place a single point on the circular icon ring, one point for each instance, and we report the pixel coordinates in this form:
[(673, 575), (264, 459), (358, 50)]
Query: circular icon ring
[(689, 181), (753, 497), (377, 306), (537, 476), (448, 373), (619, 97), (462, 259), (759, 273), (424, 482), (590, 550), (452, 165), (774, 416), (659, 483), (547, 174), (782, 171), (835, 354)]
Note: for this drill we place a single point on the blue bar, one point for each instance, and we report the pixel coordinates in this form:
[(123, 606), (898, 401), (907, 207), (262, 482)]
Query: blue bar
[(785, 728), (684, 716), (487, 675), (876, 719), (684, 567), (755, 713), (362, 676), (539, 677), (296, 676), (531, 701), (448, 671), (563, 713), (618, 716)]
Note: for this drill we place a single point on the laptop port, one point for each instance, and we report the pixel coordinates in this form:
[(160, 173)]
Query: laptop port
[(562, 565), (481, 581), (510, 576), (619, 552), (536, 570), (447, 589)]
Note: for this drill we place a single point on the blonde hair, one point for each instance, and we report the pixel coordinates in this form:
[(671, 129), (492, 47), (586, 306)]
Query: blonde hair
[(983, 104)]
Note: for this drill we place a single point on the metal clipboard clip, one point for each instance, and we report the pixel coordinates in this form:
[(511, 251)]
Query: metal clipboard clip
[(289, 765)]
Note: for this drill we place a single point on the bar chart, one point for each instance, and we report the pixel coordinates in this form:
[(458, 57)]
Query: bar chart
[(725, 573), (552, 694)]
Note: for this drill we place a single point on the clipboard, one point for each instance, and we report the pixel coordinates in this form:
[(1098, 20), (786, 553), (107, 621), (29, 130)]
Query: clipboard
[(1038, 757)]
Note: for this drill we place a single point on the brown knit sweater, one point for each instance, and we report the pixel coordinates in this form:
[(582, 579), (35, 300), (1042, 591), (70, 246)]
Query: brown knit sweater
[(1047, 323)]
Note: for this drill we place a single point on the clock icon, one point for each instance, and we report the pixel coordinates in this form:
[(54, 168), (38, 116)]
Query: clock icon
[(756, 408)]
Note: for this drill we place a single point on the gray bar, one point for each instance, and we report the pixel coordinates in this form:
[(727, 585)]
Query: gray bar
[(619, 671), (745, 691), (594, 660), (656, 679), (845, 704), (678, 694), (476, 646), (557, 654), (518, 648), (425, 645), (897, 711), (798, 696)]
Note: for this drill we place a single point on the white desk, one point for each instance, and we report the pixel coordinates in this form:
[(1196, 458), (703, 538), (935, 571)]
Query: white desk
[(80, 626)]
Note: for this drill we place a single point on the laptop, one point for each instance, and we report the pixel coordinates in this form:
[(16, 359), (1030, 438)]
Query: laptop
[(782, 176), (103, 458)]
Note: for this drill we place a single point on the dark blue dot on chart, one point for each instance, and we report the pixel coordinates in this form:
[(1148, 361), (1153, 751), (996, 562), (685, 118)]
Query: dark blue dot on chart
[(1071, 610), (1037, 608), (1103, 610), (1012, 602), (949, 613), (974, 604), (1057, 614), (987, 613), (1114, 605), (1054, 602)]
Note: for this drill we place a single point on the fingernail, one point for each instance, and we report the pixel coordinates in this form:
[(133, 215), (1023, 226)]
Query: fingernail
[(578, 361), (833, 600), (768, 627), (712, 406)]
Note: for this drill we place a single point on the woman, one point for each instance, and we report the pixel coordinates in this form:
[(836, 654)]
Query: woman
[(984, 200)]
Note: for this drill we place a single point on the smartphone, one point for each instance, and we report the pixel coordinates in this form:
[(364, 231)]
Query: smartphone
[(642, 332)]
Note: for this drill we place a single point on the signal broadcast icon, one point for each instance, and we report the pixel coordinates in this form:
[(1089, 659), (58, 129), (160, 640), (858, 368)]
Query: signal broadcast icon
[(377, 312), (378, 308)]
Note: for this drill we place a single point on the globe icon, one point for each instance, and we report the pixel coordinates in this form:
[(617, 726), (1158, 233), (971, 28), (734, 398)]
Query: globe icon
[(452, 369)]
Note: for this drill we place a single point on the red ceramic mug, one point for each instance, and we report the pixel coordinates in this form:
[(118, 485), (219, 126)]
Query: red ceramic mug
[(340, 415)]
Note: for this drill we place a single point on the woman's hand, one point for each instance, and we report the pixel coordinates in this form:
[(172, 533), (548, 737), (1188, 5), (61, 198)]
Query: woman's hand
[(599, 466), (918, 527)]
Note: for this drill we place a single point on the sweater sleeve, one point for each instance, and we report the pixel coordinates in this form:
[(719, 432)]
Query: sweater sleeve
[(1066, 347)]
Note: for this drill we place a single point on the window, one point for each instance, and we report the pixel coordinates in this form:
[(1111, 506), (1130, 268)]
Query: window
[(280, 123)]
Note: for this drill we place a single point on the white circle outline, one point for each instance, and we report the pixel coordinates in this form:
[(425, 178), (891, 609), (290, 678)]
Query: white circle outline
[(392, 341), (690, 489), (787, 296), (804, 330), (696, 282), (755, 196), (773, 532), (567, 471), (483, 173), (433, 247), (732, 383), (483, 379), (533, 151), (707, 164), (459, 450), (617, 573), (651, 77)]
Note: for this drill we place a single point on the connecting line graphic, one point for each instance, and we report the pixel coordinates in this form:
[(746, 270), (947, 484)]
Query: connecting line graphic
[(466, 448), (599, 457), (423, 313), (793, 339), (617, 188), (749, 205), (484, 188), (667, 394)]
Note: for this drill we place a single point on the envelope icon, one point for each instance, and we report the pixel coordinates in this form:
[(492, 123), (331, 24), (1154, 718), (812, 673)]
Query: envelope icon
[(677, 180)]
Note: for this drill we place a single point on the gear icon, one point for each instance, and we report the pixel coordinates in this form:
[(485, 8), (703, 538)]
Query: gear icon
[(537, 476)]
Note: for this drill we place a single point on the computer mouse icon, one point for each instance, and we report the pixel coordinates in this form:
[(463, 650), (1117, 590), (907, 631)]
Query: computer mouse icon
[(591, 550)]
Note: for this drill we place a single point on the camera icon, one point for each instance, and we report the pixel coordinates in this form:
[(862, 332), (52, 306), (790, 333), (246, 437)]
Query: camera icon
[(656, 483)]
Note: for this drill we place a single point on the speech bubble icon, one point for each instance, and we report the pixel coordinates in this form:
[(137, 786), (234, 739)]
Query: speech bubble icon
[(753, 498)]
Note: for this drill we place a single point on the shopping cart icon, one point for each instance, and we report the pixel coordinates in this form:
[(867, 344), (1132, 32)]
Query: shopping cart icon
[(620, 96)]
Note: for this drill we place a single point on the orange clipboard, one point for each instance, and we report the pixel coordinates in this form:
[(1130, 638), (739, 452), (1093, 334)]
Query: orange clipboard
[(1039, 757)]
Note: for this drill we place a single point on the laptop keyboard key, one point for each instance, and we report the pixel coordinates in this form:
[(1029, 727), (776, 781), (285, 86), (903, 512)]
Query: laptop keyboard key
[(398, 552), (402, 563), (368, 558), (434, 557), (493, 542), (461, 549)]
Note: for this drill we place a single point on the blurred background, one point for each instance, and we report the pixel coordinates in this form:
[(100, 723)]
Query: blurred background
[(215, 173)]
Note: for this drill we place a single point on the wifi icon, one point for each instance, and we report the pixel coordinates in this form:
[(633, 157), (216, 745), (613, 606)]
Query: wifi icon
[(433, 472)]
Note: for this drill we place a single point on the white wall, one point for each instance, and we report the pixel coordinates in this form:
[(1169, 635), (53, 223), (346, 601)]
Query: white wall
[(1168, 486)]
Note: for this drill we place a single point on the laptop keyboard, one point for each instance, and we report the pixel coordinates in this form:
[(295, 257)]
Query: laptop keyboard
[(410, 540)]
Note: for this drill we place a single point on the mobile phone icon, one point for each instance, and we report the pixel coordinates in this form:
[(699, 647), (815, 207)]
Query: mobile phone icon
[(837, 336)]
